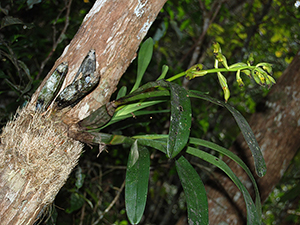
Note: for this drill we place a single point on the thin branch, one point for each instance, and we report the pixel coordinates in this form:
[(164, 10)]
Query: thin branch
[(258, 20), (111, 204), (59, 39), (202, 6), (82, 214), (206, 26)]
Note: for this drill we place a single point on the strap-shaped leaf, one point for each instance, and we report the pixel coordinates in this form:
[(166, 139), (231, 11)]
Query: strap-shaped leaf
[(150, 86), (152, 93), (144, 58), (111, 139), (260, 165), (194, 191), (252, 214), (126, 111), (235, 158), (180, 121), (136, 184), (159, 142), (156, 141), (99, 117)]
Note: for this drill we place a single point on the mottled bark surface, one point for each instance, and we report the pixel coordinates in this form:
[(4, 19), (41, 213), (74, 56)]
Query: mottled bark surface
[(114, 29), (32, 170), (277, 129)]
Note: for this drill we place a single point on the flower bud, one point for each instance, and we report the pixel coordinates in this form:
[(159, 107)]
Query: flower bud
[(223, 83), (222, 59), (250, 60), (236, 65), (239, 79), (217, 47)]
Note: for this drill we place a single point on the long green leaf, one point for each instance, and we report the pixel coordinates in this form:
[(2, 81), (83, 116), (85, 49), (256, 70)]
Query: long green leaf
[(252, 214), (126, 111), (144, 95), (148, 87), (99, 117), (136, 184), (194, 191), (260, 165), (235, 158), (134, 107), (158, 142), (144, 58), (180, 122), (151, 136), (111, 139)]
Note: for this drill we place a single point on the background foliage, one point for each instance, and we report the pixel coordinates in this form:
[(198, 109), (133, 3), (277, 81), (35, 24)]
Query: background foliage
[(33, 35)]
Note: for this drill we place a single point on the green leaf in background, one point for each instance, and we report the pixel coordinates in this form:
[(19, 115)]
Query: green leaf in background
[(252, 215), (194, 191), (235, 158), (122, 92), (291, 194), (3, 75), (9, 20), (144, 58), (180, 122), (260, 164), (136, 184), (79, 177), (30, 3), (76, 202)]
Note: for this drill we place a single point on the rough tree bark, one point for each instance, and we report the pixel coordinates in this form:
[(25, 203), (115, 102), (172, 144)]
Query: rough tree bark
[(277, 129), (36, 154)]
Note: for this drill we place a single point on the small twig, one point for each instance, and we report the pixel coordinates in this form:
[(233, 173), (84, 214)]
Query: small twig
[(58, 40), (100, 197), (111, 204), (202, 6), (82, 212), (211, 17)]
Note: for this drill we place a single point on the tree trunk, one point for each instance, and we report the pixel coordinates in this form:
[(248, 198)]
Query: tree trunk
[(277, 129), (36, 153)]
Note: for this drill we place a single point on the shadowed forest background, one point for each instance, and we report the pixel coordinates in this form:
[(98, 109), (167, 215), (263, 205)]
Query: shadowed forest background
[(33, 35)]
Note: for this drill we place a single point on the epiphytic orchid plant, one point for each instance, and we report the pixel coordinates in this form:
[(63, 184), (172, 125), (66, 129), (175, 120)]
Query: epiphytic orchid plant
[(178, 141)]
